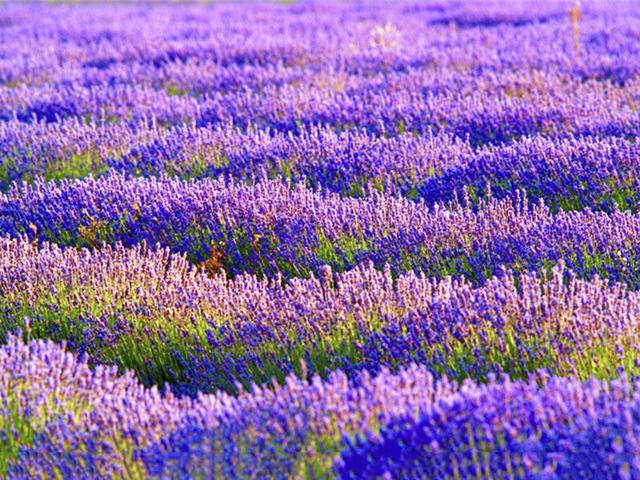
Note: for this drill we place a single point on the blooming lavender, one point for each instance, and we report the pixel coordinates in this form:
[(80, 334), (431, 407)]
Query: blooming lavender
[(273, 227), (320, 240), (152, 313), (63, 419), (507, 430), (573, 173)]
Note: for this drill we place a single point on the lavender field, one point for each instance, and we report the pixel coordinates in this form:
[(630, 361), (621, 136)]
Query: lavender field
[(309, 240)]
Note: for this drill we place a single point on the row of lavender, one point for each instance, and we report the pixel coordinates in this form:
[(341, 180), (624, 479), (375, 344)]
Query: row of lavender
[(571, 173), (492, 85), (490, 111), (271, 228), (152, 313), (144, 46), (199, 50), (155, 314), (62, 420)]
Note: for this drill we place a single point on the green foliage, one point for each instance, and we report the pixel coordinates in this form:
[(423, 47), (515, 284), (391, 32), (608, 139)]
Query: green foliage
[(75, 166)]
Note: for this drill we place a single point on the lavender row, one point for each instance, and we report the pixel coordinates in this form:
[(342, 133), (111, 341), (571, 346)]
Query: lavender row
[(156, 315), (562, 429), (573, 173), (64, 419), (380, 70), (273, 228), (123, 42), (345, 162), (591, 108), (569, 174)]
